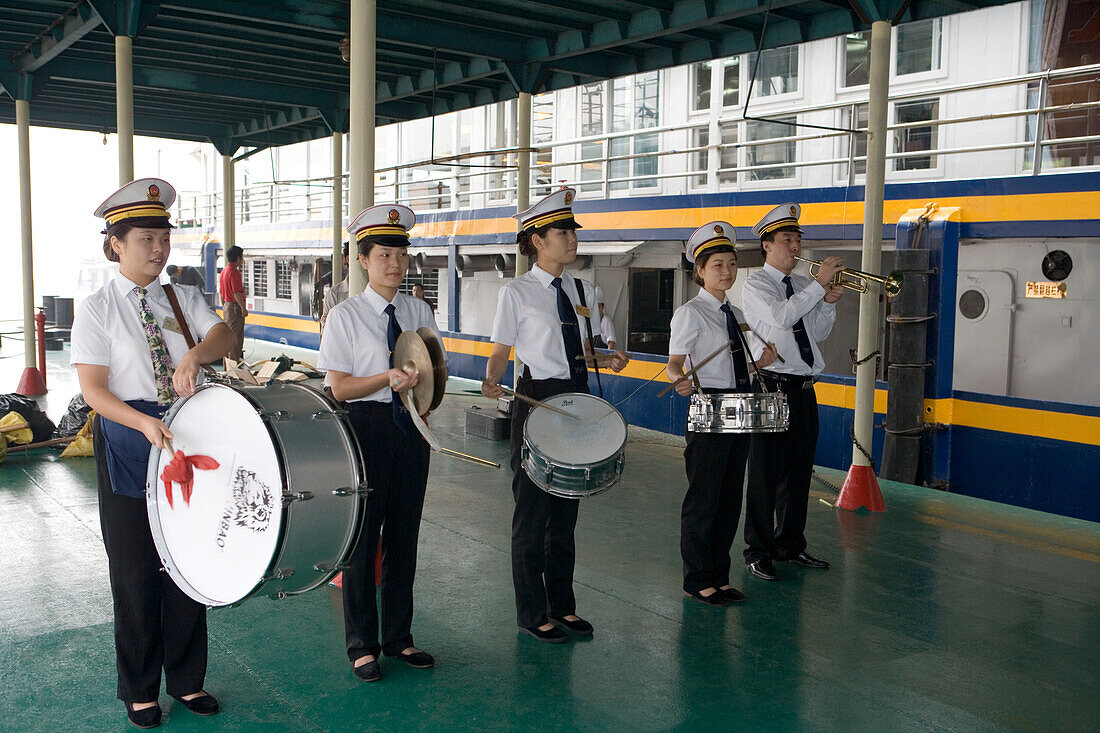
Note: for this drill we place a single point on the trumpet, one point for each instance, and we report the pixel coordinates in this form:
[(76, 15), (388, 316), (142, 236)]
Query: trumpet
[(857, 280)]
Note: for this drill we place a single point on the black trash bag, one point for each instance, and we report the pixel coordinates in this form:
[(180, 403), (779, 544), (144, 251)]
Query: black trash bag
[(75, 418), (42, 427)]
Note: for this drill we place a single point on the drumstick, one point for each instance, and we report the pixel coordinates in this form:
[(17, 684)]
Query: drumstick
[(597, 358), (696, 368), (13, 428), (536, 403), (43, 444)]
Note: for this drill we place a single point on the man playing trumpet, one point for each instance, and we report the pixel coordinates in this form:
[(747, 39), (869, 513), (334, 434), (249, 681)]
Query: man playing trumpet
[(794, 313)]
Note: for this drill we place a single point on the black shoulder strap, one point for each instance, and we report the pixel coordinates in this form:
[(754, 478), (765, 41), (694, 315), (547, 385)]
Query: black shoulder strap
[(588, 323)]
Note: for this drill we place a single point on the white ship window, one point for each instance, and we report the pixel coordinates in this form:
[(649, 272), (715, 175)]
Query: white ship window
[(857, 58), (919, 46), (777, 72), (772, 153), (259, 278), (284, 288), (918, 138), (727, 157), (728, 80), (635, 104), (858, 141)]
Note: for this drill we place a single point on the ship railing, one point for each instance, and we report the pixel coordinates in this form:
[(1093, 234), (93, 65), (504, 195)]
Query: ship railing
[(488, 178)]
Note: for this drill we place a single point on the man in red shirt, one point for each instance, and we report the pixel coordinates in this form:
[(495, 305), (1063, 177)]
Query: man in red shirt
[(234, 309)]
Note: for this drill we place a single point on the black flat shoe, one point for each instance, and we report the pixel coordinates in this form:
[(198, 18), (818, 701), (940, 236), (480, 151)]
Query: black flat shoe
[(550, 636), (369, 672), (205, 704), (732, 595), (763, 569), (580, 627), (717, 598), (144, 718), (416, 660), (808, 561)]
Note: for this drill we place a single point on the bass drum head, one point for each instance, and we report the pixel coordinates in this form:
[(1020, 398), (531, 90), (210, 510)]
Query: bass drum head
[(218, 544), (599, 434)]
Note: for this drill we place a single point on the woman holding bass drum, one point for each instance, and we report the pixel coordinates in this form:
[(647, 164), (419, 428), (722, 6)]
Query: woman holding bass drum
[(132, 360), (547, 315), (715, 461), (357, 352)]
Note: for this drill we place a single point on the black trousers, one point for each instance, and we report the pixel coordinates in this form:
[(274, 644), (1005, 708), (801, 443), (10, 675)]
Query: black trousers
[(780, 467), (715, 464), (543, 549), (397, 473), (156, 624)]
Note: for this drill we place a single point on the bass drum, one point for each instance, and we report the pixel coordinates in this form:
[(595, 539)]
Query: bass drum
[(263, 495)]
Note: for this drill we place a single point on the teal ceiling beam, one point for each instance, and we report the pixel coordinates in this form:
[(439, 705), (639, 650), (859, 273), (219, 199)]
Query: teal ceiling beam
[(225, 87), (125, 17), (78, 24)]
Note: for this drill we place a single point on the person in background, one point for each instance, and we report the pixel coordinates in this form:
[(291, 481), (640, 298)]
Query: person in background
[(606, 339), (418, 292), (339, 293), (186, 275), (234, 308)]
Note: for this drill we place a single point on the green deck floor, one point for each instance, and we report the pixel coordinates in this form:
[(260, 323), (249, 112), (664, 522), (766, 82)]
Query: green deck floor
[(943, 613)]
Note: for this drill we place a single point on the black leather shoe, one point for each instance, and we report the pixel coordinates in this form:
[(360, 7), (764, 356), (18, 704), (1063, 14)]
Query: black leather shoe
[(763, 569), (416, 660), (580, 627), (550, 636), (808, 561), (369, 672), (205, 704), (717, 598), (732, 595), (144, 718)]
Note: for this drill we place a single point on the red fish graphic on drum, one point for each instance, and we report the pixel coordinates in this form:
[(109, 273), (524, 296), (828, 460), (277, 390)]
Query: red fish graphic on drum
[(181, 470)]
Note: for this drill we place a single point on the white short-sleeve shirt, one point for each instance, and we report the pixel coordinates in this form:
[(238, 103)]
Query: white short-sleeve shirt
[(607, 329), (698, 330), (527, 318), (356, 332), (107, 331), (772, 315)]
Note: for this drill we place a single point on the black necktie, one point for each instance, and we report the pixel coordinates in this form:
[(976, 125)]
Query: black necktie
[(400, 414), (571, 335), (800, 336), (737, 351)]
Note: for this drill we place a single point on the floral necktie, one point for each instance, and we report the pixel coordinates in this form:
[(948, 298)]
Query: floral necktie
[(158, 351)]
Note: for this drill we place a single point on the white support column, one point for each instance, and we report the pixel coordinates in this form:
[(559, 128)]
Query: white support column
[(872, 237), (364, 24), (337, 207), (523, 176), (229, 213), (23, 132), (124, 107)]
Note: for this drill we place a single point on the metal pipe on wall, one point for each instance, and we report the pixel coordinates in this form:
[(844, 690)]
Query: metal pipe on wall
[(364, 24), (124, 107), (872, 238), (523, 175)]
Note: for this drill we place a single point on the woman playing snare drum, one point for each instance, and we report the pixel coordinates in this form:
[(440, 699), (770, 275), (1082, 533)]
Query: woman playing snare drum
[(131, 359), (547, 316), (715, 462), (357, 351)]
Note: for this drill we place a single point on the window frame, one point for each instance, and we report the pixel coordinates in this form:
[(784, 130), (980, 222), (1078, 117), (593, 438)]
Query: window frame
[(936, 170)]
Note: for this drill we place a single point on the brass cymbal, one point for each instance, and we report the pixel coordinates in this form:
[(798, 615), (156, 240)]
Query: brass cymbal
[(439, 363), (411, 353)]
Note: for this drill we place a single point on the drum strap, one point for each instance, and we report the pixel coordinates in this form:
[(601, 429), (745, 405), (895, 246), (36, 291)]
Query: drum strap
[(588, 323), (171, 293)]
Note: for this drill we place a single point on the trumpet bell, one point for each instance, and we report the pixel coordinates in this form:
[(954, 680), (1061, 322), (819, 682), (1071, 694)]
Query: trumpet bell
[(891, 285)]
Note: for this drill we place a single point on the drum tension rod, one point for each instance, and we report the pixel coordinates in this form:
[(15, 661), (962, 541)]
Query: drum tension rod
[(363, 490), (297, 496), (280, 574), (275, 415)]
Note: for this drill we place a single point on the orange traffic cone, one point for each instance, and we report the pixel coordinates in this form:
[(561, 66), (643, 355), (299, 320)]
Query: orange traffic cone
[(861, 489)]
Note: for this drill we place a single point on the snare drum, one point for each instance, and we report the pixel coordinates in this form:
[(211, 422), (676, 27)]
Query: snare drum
[(574, 458), (264, 494), (733, 412)]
